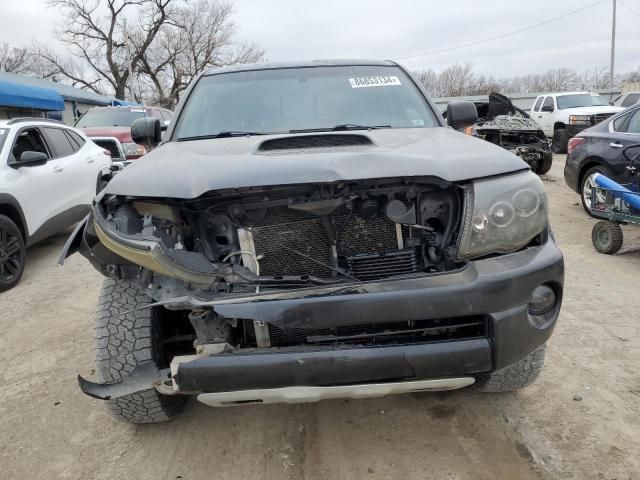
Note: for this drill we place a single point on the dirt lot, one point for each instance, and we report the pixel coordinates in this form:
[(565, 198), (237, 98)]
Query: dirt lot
[(49, 430)]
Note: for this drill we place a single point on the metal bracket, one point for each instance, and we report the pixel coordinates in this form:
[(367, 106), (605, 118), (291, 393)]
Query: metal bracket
[(143, 377)]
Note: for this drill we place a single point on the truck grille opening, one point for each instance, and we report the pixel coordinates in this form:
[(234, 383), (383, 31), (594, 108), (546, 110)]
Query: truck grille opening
[(418, 331), (599, 117), (369, 246)]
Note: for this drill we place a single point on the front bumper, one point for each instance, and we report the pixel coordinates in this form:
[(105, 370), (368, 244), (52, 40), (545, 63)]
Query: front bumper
[(573, 130), (499, 288)]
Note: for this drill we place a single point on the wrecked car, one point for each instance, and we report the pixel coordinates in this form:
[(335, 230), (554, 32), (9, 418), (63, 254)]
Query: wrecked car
[(316, 230), (502, 123)]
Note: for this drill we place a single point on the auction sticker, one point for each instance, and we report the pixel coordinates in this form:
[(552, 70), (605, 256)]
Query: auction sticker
[(363, 82)]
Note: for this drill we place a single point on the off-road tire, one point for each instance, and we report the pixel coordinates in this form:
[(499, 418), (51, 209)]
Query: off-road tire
[(544, 165), (514, 377), (607, 237), (11, 239), (121, 342), (560, 141)]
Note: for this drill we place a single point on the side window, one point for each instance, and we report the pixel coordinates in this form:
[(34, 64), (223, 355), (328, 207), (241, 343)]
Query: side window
[(618, 123), (536, 108), (76, 140), (548, 103), (59, 142), (634, 123), (631, 99), (28, 140)]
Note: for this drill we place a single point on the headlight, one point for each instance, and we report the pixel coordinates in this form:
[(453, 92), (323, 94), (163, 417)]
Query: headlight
[(133, 149), (503, 214), (580, 119)]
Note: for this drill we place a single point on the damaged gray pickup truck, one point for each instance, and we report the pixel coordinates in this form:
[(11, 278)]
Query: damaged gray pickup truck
[(316, 230)]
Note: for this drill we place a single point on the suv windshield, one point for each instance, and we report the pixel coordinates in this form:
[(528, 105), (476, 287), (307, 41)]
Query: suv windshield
[(305, 98), (110, 118), (580, 100)]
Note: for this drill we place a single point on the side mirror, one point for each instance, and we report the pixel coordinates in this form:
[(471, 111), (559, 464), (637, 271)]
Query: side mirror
[(612, 103), (547, 108), (461, 114), (31, 158), (146, 131)]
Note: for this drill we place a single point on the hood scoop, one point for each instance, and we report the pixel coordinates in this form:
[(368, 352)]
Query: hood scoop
[(305, 142)]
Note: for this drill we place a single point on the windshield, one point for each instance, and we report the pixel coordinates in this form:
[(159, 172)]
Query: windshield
[(580, 100), (109, 118), (311, 98)]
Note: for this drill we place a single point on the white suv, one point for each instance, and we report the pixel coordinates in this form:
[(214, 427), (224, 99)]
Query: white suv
[(49, 174), (563, 115)]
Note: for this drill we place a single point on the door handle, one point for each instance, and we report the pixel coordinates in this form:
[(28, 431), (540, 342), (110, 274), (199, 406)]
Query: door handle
[(57, 169), (616, 145), (539, 116), (90, 160)]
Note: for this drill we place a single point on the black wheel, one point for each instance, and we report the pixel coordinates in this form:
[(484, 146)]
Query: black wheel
[(544, 165), (607, 237), (588, 183), (12, 254), (560, 141), (514, 377), (124, 340)]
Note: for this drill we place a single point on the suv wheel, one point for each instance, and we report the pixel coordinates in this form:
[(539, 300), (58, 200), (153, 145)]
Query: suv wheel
[(124, 340), (560, 141), (12, 254), (514, 377), (544, 165), (587, 185)]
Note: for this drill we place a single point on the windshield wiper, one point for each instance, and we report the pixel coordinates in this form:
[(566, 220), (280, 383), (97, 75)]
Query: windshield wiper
[(223, 134), (341, 127)]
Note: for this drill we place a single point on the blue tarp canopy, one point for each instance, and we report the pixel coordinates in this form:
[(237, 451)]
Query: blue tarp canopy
[(123, 103), (25, 96)]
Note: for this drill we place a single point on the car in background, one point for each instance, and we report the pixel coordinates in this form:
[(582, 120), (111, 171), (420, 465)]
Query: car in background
[(627, 99), (599, 150), (564, 115), (502, 123), (49, 174), (110, 128)]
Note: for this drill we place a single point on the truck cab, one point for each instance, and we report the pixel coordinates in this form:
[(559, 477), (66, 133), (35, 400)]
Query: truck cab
[(563, 115)]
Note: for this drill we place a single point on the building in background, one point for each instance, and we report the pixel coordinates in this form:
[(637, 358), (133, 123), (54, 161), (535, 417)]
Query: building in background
[(22, 96)]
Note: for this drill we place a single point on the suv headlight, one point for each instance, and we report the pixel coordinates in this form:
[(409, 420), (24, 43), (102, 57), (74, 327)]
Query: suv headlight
[(580, 119), (133, 149), (503, 214)]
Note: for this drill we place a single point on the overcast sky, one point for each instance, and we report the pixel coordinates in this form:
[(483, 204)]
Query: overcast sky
[(302, 29)]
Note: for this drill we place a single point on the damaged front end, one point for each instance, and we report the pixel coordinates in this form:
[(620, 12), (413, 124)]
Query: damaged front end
[(511, 128), (309, 291)]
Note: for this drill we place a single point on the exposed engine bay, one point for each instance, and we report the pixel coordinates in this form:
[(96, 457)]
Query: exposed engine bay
[(232, 242), (505, 125)]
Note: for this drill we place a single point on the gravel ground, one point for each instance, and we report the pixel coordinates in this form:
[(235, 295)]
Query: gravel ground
[(581, 420)]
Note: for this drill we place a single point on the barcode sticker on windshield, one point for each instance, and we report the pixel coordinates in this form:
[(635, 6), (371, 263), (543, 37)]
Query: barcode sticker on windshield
[(362, 82)]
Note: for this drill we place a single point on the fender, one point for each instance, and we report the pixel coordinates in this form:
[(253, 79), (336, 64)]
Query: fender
[(8, 199)]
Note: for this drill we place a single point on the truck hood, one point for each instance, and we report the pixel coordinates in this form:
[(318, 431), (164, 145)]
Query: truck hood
[(591, 110), (121, 133), (191, 168)]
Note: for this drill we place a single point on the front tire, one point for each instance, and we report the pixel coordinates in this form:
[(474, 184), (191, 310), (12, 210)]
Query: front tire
[(560, 141), (122, 341), (12, 254), (514, 377), (545, 164)]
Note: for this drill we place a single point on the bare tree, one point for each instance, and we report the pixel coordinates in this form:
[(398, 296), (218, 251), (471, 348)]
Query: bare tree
[(429, 80), (202, 36), (95, 34), (454, 80), (15, 59)]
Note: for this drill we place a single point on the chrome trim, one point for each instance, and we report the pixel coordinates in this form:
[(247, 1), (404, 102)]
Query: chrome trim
[(314, 394)]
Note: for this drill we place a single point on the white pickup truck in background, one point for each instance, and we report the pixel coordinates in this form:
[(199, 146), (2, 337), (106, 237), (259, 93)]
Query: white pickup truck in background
[(563, 115)]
